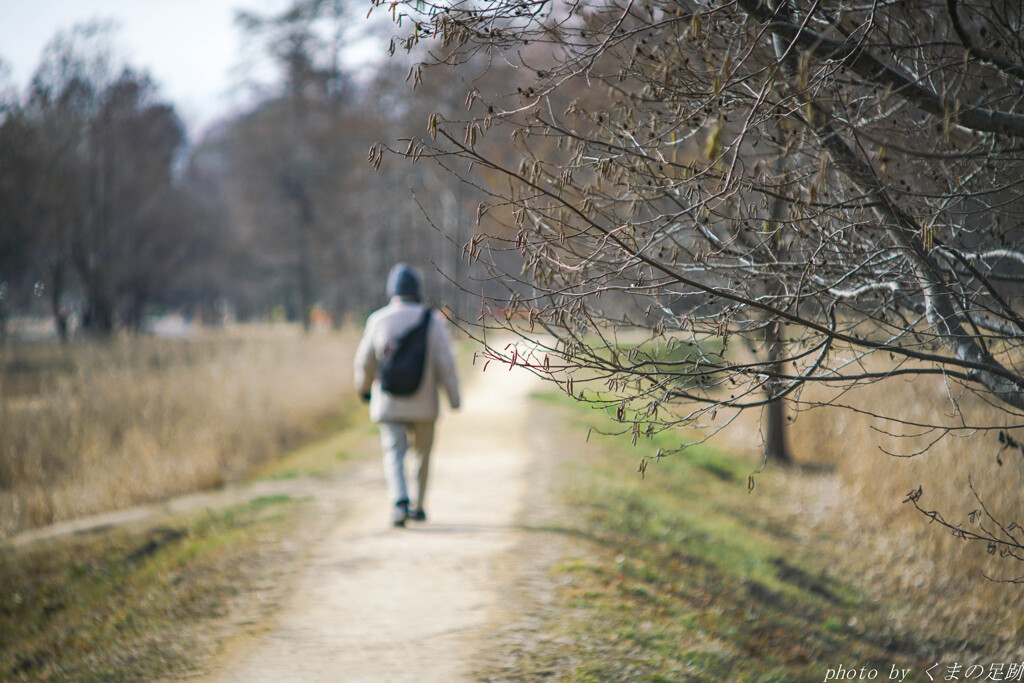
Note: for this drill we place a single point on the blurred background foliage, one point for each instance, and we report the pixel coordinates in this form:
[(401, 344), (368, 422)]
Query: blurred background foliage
[(111, 211)]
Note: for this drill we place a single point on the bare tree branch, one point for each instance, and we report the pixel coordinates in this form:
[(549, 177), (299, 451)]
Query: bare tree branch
[(854, 57)]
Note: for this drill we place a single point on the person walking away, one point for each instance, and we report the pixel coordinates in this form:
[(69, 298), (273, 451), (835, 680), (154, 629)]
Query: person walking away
[(405, 419)]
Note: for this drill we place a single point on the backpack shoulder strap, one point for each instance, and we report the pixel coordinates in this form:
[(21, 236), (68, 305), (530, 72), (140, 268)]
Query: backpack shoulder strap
[(418, 328)]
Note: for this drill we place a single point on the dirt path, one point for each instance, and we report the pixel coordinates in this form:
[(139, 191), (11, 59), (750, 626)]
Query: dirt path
[(377, 604)]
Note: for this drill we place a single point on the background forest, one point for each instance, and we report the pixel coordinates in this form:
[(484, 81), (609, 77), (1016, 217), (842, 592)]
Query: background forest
[(111, 211)]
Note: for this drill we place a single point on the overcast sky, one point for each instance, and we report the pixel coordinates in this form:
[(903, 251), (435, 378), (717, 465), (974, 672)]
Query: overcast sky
[(189, 47)]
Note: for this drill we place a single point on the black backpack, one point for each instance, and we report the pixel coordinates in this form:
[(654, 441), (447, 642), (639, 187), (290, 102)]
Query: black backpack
[(401, 368)]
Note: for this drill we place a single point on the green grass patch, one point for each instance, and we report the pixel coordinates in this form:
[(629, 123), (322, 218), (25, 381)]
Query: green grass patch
[(681, 576), (687, 361), (674, 351), (116, 604)]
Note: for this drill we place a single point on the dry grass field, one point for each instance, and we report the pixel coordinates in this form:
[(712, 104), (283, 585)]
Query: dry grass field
[(898, 550), (94, 427), (90, 427)]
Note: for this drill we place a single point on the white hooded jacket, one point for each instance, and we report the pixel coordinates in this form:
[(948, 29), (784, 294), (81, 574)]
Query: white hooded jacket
[(390, 323)]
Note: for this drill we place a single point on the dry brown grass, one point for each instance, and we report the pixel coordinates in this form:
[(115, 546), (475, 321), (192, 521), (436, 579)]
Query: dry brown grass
[(94, 427), (896, 548)]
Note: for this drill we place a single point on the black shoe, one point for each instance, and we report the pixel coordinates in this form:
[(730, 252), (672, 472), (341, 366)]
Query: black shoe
[(401, 513), (417, 515)]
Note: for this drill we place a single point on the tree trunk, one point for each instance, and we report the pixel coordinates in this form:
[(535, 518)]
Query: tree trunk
[(774, 417), (307, 290), (98, 318), (60, 313)]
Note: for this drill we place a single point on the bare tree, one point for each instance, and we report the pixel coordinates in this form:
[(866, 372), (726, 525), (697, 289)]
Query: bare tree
[(838, 182), (320, 226), (128, 238), (43, 197), (288, 145)]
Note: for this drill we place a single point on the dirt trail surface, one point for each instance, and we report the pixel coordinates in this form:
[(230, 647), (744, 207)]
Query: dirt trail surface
[(380, 604)]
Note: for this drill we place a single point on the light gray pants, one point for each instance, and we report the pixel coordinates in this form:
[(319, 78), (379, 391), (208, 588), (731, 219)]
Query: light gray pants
[(395, 442)]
